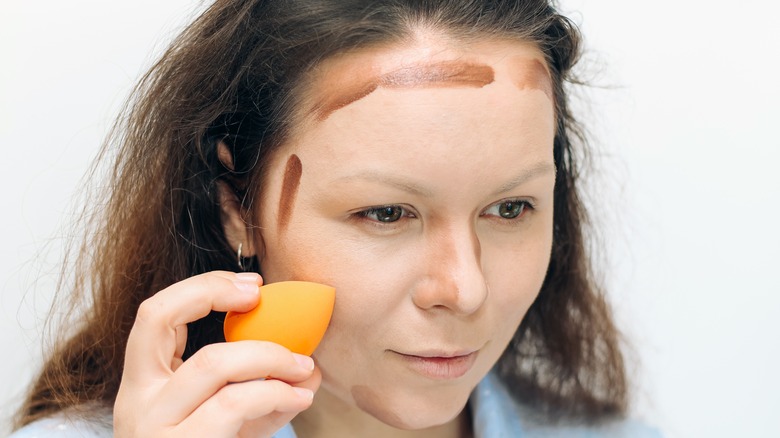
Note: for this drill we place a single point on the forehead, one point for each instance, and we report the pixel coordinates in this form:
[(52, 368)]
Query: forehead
[(428, 63), (427, 104)]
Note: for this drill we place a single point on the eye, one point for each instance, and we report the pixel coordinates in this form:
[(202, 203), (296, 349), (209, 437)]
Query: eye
[(385, 214), (511, 209)]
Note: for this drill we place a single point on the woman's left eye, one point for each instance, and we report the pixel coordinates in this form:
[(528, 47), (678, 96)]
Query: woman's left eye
[(512, 209), (385, 214)]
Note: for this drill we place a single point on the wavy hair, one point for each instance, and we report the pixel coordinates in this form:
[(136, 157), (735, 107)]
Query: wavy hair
[(233, 75)]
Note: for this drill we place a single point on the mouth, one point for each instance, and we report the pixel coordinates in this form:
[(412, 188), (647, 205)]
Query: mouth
[(439, 365)]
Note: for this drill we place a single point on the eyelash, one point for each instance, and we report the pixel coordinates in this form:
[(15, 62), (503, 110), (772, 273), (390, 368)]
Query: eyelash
[(404, 212), (524, 204)]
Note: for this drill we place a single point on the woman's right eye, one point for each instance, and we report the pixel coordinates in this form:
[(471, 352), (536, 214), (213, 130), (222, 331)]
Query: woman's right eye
[(385, 214)]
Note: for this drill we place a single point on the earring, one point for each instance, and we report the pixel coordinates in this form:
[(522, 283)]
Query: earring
[(239, 258)]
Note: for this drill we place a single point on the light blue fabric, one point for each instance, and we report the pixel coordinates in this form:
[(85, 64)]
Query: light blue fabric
[(495, 414), (64, 426)]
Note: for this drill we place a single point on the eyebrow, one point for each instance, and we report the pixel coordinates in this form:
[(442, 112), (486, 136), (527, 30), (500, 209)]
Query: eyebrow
[(410, 186), (535, 171), (440, 74), (401, 183)]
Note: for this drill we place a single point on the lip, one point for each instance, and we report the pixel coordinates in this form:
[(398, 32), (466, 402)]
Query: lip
[(439, 365)]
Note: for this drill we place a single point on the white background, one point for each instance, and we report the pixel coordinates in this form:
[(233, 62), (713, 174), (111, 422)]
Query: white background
[(686, 117)]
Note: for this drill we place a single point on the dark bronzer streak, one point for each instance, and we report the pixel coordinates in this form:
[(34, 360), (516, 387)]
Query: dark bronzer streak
[(441, 74), (290, 184)]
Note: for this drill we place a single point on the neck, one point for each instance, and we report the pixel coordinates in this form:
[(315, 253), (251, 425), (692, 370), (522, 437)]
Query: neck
[(329, 416)]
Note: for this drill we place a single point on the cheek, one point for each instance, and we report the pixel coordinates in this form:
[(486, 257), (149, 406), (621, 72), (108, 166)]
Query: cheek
[(367, 279), (515, 269), (370, 304)]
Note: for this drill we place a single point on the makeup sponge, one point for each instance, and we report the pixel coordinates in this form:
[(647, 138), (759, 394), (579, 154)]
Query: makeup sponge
[(293, 314)]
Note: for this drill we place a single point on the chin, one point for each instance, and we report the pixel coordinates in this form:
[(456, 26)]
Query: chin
[(409, 410)]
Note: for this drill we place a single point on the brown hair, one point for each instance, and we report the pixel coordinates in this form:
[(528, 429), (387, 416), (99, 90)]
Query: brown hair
[(232, 76)]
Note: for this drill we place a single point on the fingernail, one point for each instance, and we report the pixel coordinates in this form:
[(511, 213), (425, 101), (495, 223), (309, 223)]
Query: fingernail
[(248, 277), (247, 283), (305, 362), (304, 393)]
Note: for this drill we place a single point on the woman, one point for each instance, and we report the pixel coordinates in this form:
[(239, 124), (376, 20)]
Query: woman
[(415, 155)]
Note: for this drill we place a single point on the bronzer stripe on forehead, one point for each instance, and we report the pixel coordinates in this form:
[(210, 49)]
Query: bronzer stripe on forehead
[(440, 74), (290, 183), (530, 74)]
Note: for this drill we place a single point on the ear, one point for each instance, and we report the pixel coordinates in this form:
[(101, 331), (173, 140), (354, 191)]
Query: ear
[(233, 215)]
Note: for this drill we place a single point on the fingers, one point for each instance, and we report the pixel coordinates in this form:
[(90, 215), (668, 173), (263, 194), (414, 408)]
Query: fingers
[(217, 365), (235, 404), (269, 424), (224, 389), (152, 342)]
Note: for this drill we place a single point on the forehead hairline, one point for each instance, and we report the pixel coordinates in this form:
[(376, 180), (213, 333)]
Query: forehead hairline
[(344, 87)]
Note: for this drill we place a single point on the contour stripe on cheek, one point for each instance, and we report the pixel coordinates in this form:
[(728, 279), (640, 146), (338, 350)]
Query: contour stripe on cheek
[(292, 179), (530, 74), (442, 74)]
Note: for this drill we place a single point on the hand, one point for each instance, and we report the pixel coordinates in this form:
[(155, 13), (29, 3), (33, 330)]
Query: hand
[(246, 388)]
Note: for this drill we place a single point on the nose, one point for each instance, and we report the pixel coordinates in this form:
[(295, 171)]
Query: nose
[(453, 277)]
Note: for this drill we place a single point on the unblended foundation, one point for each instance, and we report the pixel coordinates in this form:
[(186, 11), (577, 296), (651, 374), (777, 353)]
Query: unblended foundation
[(530, 74), (290, 184), (440, 74)]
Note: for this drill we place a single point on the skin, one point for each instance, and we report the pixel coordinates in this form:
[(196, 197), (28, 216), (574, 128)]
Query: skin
[(440, 74), (292, 179), (244, 389), (450, 276)]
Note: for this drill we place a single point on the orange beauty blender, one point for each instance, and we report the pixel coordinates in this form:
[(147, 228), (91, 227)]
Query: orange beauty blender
[(293, 314)]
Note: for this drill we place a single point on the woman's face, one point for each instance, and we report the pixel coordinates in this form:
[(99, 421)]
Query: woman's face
[(419, 183)]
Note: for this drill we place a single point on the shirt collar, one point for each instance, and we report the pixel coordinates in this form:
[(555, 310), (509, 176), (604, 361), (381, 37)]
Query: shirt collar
[(494, 411)]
